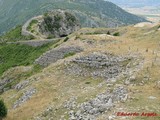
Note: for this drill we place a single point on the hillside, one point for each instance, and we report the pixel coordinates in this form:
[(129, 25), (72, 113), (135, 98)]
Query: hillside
[(93, 73), (92, 13)]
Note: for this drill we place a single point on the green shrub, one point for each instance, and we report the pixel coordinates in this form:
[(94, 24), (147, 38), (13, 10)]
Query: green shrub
[(116, 34), (3, 110), (45, 14), (69, 54), (66, 39), (58, 17), (56, 45), (97, 32), (87, 82), (70, 18), (108, 33), (50, 25), (50, 36), (31, 24)]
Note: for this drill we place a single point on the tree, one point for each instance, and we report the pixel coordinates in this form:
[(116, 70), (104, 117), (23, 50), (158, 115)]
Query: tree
[(116, 34), (108, 33), (3, 110)]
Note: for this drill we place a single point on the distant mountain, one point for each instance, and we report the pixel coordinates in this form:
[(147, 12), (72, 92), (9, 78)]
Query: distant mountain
[(92, 13), (136, 3)]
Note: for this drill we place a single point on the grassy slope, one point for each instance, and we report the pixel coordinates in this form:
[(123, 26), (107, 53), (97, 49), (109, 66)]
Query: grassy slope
[(54, 87), (14, 35), (12, 55)]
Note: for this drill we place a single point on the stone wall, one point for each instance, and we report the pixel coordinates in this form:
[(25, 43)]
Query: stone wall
[(24, 31), (56, 54), (26, 96), (34, 43), (97, 65)]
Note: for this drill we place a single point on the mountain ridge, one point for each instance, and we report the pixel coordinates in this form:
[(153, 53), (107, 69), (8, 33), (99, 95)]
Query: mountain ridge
[(93, 13)]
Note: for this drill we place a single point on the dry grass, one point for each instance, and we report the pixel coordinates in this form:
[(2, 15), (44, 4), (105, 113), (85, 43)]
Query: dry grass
[(54, 87)]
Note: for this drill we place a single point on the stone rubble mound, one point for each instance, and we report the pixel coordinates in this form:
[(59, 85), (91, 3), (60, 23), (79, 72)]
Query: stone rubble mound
[(21, 85), (97, 65), (54, 55), (102, 103), (26, 96)]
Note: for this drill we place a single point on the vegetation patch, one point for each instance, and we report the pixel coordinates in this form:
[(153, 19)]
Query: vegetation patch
[(50, 36), (16, 55), (22, 76), (69, 54), (15, 35), (70, 18), (3, 110), (50, 25), (116, 34), (108, 33), (33, 22), (66, 39)]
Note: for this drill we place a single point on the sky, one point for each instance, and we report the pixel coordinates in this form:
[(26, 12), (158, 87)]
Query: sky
[(136, 3)]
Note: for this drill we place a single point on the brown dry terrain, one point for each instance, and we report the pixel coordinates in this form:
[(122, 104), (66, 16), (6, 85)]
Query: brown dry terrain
[(56, 84)]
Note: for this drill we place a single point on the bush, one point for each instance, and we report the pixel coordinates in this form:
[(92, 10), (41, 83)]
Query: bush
[(116, 34), (69, 54), (3, 110), (50, 36), (66, 39), (108, 33), (45, 14), (31, 24)]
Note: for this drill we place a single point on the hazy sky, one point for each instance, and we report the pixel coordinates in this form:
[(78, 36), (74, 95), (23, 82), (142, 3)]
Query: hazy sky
[(137, 3)]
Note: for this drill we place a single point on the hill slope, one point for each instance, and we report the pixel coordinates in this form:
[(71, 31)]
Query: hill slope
[(96, 73), (92, 13)]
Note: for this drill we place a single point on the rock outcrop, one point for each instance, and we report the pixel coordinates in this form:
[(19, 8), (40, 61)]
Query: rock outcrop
[(58, 24)]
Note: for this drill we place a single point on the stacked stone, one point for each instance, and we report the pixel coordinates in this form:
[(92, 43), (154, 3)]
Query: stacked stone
[(26, 96), (54, 55), (21, 85), (3, 83), (102, 103), (97, 65), (33, 43)]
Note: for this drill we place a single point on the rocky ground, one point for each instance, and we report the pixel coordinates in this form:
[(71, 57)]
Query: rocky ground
[(98, 65), (102, 103), (92, 77), (56, 54)]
